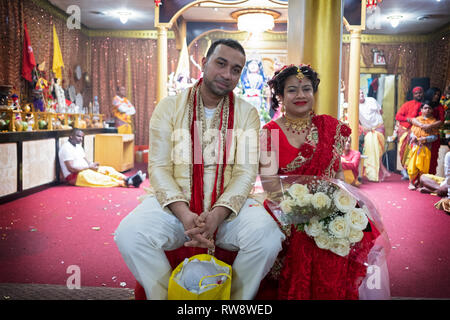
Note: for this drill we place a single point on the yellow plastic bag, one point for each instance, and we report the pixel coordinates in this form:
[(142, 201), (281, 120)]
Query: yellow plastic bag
[(217, 291)]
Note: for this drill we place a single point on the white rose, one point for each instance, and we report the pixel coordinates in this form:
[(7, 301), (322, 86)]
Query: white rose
[(323, 241), (366, 211), (320, 200), (304, 200), (357, 219), (341, 247), (287, 205), (339, 227), (297, 191), (343, 200), (314, 227), (355, 235)]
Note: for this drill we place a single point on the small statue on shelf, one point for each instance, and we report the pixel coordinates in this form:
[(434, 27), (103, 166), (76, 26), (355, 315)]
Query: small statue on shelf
[(15, 105), (29, 118), (38, 100), (58, 92)]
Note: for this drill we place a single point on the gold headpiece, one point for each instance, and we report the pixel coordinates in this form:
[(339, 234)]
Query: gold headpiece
[(300, 76)]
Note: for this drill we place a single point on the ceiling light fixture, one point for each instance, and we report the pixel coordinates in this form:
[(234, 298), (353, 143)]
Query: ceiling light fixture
[(123, 16), (395, 20), (255, 20)]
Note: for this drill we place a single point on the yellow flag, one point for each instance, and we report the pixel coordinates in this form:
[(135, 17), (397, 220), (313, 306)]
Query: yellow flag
[(57, 56)]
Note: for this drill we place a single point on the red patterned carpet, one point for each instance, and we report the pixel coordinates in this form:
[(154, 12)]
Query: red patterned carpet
[(43, 234)]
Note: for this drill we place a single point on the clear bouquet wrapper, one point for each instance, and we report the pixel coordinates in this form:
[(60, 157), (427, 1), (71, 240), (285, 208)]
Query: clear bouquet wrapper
[(338, 217), (330, 211)]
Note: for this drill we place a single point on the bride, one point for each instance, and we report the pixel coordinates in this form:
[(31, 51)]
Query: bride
[(307, 144)]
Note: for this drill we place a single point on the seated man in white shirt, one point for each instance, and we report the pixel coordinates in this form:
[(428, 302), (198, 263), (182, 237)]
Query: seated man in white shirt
[(79, 171)]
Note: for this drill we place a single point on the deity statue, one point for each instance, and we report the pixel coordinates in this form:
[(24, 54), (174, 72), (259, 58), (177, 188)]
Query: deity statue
[(252, 85)]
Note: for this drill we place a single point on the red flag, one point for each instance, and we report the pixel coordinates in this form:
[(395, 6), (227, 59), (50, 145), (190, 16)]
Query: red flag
[(28, 62)]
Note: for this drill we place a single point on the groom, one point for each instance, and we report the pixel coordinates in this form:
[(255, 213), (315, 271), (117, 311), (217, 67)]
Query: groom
[(203, 161)]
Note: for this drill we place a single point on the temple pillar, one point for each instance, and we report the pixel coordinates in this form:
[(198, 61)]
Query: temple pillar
[(314, 37), (161, 90), (353, 85)]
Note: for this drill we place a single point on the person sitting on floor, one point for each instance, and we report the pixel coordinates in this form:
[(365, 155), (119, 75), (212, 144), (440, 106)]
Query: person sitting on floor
[(350, 164), (430, 183), (439, 185), (421, 139), (79, 171)]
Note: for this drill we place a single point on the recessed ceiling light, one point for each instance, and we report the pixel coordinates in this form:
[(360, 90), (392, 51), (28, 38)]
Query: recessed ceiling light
[(123, 16), (394, 20)]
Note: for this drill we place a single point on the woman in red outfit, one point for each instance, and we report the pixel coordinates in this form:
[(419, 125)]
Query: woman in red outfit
[(302, 143), (434, 95), (350, 164)]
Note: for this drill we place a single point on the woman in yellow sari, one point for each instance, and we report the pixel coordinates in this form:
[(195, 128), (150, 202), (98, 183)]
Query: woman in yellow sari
[(421, 139), (122, 111)]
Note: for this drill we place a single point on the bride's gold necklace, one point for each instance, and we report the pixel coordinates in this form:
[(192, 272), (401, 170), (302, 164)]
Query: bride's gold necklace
[(297, 126)]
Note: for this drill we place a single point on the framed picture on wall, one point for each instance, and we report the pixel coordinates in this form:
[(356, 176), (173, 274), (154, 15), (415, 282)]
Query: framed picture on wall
[(379, 59)]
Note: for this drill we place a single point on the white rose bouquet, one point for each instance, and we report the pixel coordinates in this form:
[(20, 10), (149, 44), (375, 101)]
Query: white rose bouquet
[(325, 211)]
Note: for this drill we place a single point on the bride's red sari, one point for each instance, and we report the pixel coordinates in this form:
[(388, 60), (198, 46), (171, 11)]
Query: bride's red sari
[(304, 271)]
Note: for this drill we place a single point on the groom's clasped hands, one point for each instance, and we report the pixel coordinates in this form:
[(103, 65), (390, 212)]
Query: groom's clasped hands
[(201, 228)]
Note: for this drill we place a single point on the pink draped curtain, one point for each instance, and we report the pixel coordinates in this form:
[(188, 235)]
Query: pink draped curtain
[(128, 62), (73, 43)]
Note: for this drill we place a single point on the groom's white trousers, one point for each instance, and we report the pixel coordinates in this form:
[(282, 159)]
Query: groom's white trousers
[(148, 231)]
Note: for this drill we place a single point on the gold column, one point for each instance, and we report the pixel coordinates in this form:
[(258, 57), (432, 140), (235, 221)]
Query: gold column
[(318, 43), (161, 90), (296, 31), (353, 85)]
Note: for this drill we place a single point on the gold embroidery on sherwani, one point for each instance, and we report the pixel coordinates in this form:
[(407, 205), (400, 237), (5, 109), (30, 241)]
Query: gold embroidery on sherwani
[(235, 202), (161, 196), (211, 138), (190, 106), (208, 135)]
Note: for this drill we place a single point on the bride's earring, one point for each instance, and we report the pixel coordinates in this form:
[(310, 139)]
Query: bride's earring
[(283, 109)]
